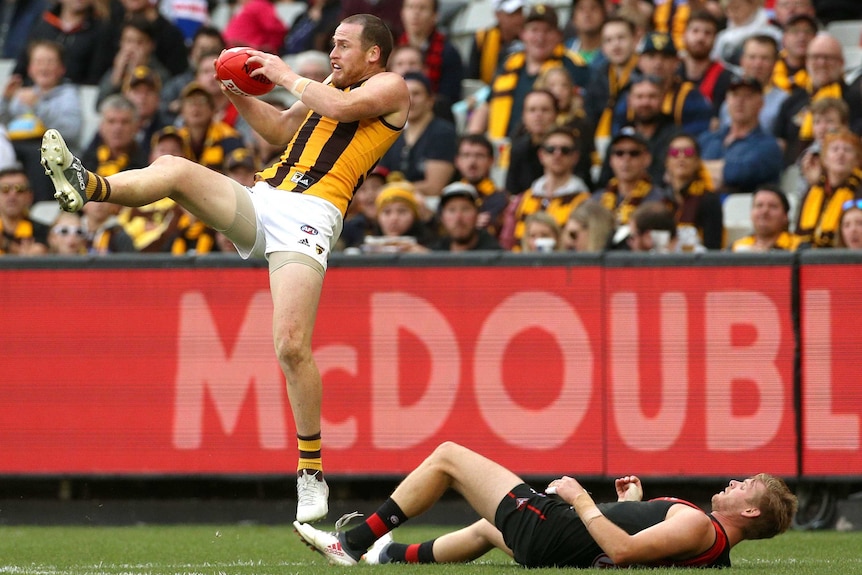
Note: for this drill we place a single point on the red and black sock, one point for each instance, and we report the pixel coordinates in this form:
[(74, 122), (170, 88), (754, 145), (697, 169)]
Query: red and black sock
[(411, 553), (387, 517)]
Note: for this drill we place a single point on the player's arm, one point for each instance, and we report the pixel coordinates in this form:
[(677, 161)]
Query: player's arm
[(685, 533)]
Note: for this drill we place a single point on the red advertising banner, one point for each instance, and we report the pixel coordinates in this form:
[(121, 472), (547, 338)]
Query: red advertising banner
[(587, 370), (700, 371), (831, 403)]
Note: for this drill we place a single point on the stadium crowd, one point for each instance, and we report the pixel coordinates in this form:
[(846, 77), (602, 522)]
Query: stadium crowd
[(603, 125)]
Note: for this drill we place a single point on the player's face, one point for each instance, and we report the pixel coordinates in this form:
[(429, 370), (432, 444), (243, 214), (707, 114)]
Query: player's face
[(348, 58), (738, 495)]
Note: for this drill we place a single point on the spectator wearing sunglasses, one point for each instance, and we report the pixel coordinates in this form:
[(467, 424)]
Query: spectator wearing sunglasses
[(19, 235), (699, 207), (743, 155), (850, 235), (557, 192), (770, 219), (840, 181), (631, 184), (67, 236)]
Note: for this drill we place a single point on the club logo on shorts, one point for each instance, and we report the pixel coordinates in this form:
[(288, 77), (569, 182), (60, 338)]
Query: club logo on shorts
[(309, 230), (319, 249), (305, 242), (301, 180)]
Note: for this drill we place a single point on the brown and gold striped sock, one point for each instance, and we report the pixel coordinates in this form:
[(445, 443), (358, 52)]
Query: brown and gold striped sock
[(98, 188), (309, 453)]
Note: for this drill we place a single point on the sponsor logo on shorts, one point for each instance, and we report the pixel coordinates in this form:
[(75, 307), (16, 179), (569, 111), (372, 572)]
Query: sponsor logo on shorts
[(521, 502), (301, 180), (603, 562), (309, 230), (305, 242), (320, 249)]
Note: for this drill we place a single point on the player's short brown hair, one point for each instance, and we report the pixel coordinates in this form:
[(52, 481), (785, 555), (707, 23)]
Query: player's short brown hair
[(777, 507)]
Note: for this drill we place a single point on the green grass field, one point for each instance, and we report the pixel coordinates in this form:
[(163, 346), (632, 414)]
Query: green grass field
[(264, 550)]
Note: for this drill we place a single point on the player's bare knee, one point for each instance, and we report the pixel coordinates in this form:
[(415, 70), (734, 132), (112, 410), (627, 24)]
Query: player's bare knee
[(291, 349)]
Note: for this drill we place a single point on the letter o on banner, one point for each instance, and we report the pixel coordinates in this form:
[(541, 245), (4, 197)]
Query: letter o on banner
[(551, 427)]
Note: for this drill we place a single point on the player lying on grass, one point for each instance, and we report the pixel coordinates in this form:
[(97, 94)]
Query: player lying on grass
[(569, 530)]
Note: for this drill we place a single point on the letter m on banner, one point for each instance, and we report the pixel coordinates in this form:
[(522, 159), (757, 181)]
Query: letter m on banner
[(208, 371)]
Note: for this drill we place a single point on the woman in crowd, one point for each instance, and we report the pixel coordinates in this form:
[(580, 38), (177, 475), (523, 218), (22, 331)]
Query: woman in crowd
[(699, 207), (589, 229), (541, 233), (851, 225)]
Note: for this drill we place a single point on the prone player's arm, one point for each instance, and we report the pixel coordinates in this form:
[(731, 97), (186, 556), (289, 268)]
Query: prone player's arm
[(684, 534)]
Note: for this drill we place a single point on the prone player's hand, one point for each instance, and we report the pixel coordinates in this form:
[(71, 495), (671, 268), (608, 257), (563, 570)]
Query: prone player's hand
[(629, 488)]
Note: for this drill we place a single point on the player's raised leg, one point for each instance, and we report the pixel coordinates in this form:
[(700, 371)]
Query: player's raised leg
[(207, 194)]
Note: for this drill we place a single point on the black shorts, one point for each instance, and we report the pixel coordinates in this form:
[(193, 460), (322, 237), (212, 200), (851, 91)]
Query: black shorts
[(544, 531)]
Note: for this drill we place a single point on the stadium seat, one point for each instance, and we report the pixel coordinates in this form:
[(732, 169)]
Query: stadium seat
[(6, 67), (737, 216), (45, 212), (852, 57), (848, 32), (288, 12)]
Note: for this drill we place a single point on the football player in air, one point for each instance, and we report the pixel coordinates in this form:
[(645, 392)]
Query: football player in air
[(562, 527), (333, 136)]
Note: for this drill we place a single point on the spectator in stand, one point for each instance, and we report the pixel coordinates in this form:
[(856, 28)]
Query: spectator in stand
[(644, 104), (459, 216), (400, 220), (409, 59), (19, 235), (241, 165), (424, 152), (570, 115), (829, 115), (631, 184), (744, 18), (824, 61), (442, 61), (759, 55), (207, 41), (103, 231), (67, 236), (16, 20), (743, 155), (170, 44), (770, 221), (387, 10), (840, 181), (557, 192), (784, 10), (211, 140), (539, 116), (256, 24), (583, 33), (689, 109), (500, 116), (790, 72), (541, 234), (361, 218), (313, 29), (652, 229), (589, 229), (696, 64), (313, 64), (188, 16), (851, 225), (114, 148), (699, 207), (49, 100), (491, 46), (144, 91), (619, 43), (81, 27), (136, 48), (474, 161)]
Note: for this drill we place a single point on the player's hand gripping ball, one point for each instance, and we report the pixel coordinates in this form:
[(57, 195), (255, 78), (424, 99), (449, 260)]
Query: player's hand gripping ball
[(234, 72)]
